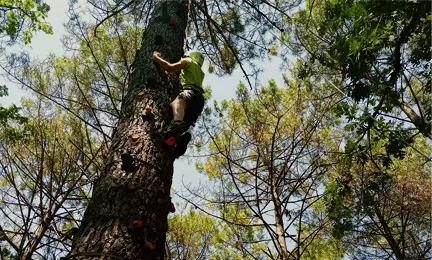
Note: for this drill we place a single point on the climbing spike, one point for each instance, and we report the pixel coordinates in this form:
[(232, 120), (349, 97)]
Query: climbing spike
[(131, 186), (140, 96), (149, 245), (136, 227), (135, 137), (148, 111), (147, 114), (170, 141), (172, 208), (137, 224)]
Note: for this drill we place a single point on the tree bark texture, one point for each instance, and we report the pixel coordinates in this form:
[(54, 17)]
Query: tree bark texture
[(127, 215)]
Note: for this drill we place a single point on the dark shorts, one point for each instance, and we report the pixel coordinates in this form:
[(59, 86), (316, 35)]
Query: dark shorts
[(194, 104)]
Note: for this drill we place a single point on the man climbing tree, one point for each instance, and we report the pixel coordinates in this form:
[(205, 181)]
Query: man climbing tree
[(127, 216), (188, 105)]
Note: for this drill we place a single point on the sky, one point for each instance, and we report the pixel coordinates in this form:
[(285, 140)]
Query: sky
[(222, 87)]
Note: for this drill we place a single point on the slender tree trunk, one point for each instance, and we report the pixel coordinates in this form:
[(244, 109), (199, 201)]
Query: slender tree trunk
[(387, 233), (138, 192), (40, 232), (280, 229), (419, 122)]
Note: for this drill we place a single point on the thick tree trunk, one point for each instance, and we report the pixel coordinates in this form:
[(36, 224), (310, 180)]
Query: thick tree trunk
[(138, 191)]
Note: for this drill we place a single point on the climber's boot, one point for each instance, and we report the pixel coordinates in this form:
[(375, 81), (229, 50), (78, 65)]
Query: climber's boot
[(182, 143), (175, 128)]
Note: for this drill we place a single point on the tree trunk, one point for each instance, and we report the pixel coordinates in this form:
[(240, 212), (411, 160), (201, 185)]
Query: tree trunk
[(134, 193), (279, 235), (419, 122)]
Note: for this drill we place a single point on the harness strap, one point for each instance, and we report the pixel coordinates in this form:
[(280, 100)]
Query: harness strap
[(194, 87)]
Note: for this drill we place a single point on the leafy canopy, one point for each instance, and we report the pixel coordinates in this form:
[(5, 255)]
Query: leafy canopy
[(20, 19)]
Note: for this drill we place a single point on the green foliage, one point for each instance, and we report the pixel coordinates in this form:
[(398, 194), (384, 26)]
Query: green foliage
[(378, 52), (397, 142), (22, 18), (3, 91), (93, 80), (45, 169), (195, 235), (371, 202), (231, 20), (344, 109), (269, 144), (13, 126), (323, 246), (235, 33), (337, 210)]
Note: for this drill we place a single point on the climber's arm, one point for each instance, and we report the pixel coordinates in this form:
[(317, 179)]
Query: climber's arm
[(170, 67)]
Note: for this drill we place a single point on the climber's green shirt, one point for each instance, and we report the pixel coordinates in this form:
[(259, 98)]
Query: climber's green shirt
[(192, 76)]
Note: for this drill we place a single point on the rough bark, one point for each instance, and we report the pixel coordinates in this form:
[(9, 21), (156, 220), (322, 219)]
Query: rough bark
[(105, 229)]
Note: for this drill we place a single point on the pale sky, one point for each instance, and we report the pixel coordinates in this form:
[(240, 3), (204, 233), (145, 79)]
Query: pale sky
[(222, 87)]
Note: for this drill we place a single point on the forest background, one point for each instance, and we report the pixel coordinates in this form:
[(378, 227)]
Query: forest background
[(315, 141)]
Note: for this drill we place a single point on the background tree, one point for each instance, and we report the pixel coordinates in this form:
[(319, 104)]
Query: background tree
[(193, 234), (370, 52), (90, 83), (377, 53), (45, 180), (381, 210), (267, 156), (20, 19)]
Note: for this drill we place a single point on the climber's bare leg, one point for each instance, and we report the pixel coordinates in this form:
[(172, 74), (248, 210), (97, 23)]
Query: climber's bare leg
[(178, 107)]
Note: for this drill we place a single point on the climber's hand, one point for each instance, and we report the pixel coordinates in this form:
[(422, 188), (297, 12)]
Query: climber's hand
[(156, 54)]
